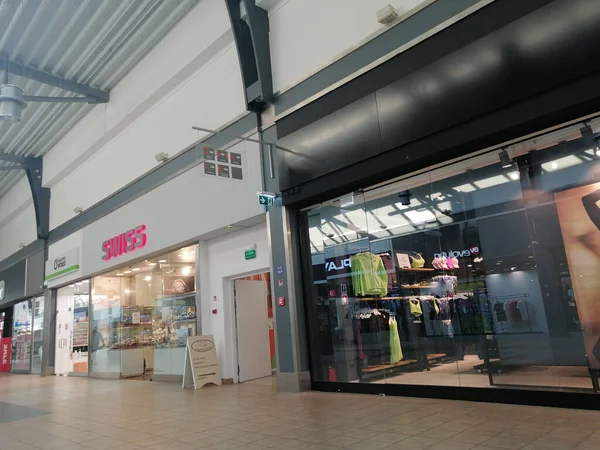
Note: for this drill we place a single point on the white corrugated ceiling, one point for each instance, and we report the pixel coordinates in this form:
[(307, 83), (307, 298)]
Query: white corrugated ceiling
[(93, 42)]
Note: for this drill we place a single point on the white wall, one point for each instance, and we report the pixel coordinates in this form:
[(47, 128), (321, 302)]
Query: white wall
[(191, 77), (306, 35), (179, 211), (17, 219), (225, 263)]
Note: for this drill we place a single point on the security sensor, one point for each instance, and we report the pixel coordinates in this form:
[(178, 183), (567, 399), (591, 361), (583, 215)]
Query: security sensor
[(386, 14), (78, 210), (162, 157)]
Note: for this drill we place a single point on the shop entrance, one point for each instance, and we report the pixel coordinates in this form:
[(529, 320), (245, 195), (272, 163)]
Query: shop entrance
[(72, 329), (255, 327)]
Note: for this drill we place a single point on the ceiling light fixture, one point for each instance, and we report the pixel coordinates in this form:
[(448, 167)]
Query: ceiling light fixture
[(78, 210), (505, 159), (186, 270), (119, 274), (127, 271), (147, 278), (135, 269), (12, 103), (405, 197), (162, 260)]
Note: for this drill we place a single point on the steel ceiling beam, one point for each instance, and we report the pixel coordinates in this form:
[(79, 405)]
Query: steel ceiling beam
[(250, 25), (92, 95), (33, 167)]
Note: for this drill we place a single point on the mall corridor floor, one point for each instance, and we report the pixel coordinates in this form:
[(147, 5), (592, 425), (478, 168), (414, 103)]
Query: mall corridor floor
[(82, 414)]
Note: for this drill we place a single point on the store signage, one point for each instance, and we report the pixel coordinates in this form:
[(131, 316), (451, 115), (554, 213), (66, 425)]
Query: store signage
[(334, 265), (250, 254), (201, 362), (458, 253), (123, 243), (5, 354), (62, 265), (266, 198)]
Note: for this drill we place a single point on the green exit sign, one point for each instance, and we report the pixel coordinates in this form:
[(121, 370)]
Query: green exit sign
[(266, 200), (250, 254)]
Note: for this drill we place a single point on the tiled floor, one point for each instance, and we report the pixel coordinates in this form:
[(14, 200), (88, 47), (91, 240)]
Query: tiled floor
[(83, 414)]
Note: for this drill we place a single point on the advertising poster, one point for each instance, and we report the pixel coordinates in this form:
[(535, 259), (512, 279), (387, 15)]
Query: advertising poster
[(579, 217), (5, 354)]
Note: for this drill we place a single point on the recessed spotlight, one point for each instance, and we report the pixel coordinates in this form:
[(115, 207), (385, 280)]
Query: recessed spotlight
[(514, 175), (119, 274), (127, 291), (85, 281), (186, 270), (135, 269), (162, 260), (513, 268), (78, 283), (71, 285), (151, 264), (147, 278), (469, 265), (127, 271)]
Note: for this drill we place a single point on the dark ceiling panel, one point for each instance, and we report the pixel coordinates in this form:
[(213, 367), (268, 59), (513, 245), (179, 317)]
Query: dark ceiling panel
[(515, 63)]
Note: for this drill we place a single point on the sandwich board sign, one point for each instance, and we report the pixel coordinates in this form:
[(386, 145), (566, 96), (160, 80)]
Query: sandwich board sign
[(201, 362)]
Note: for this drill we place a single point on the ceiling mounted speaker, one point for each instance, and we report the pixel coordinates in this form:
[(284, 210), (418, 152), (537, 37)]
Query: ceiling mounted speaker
[(11, 103)]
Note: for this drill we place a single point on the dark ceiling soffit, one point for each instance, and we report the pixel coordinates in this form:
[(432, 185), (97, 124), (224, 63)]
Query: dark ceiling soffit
[(507, 53), (90, 94), (153, 179), (251, 34), (33, 167), (408, 30), (521, 119)]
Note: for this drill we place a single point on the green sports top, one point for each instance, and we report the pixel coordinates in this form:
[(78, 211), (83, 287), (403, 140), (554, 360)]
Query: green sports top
[(369, 276)]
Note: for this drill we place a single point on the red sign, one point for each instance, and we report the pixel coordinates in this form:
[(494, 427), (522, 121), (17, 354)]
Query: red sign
[(280, 301), (124, 243), (5, 349)]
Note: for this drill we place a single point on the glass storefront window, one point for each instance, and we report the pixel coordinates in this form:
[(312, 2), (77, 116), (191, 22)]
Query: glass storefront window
[(476, 274), (22, 339), (72, 329), (38, 330), (143, 314)]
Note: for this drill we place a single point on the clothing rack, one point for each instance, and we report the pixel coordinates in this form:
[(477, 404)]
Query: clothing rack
[(503, 299)]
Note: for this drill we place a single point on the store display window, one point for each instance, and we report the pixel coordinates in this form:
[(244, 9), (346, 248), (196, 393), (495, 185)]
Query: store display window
[(38, 330), (22, 337), (72, 329), (142, 316), (482, 273)]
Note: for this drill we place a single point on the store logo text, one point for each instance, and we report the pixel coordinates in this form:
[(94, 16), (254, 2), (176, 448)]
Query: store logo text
[(342, 264), (124, 242), (60, 262), (458, 253)]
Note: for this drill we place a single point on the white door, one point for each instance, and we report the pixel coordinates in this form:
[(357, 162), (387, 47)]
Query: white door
[(254, 354), (64, 323)]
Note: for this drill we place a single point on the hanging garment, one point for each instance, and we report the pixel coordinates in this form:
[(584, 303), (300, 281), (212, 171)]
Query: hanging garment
[(500, 312), (369, 276), (512, 311), (388, 263), (447, 328), (395, 346), (526, 309), (415, 308)]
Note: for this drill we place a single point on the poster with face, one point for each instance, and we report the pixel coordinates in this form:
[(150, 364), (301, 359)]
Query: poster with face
[(579, 217)]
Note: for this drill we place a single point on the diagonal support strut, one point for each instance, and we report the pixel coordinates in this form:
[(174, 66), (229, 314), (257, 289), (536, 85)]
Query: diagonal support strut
[(33, 167)]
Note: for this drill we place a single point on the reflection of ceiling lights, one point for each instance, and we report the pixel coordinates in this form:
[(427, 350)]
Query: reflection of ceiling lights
[(127, 271), (127, 291), (514, 175), (135, 269), (71, 285), (151, 264), (186, 270), (162, 260), (119, 274), (85, 281), (147, 278)]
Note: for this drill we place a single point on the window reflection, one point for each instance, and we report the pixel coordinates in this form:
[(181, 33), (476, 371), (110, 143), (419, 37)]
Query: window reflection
[(472, 275)]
